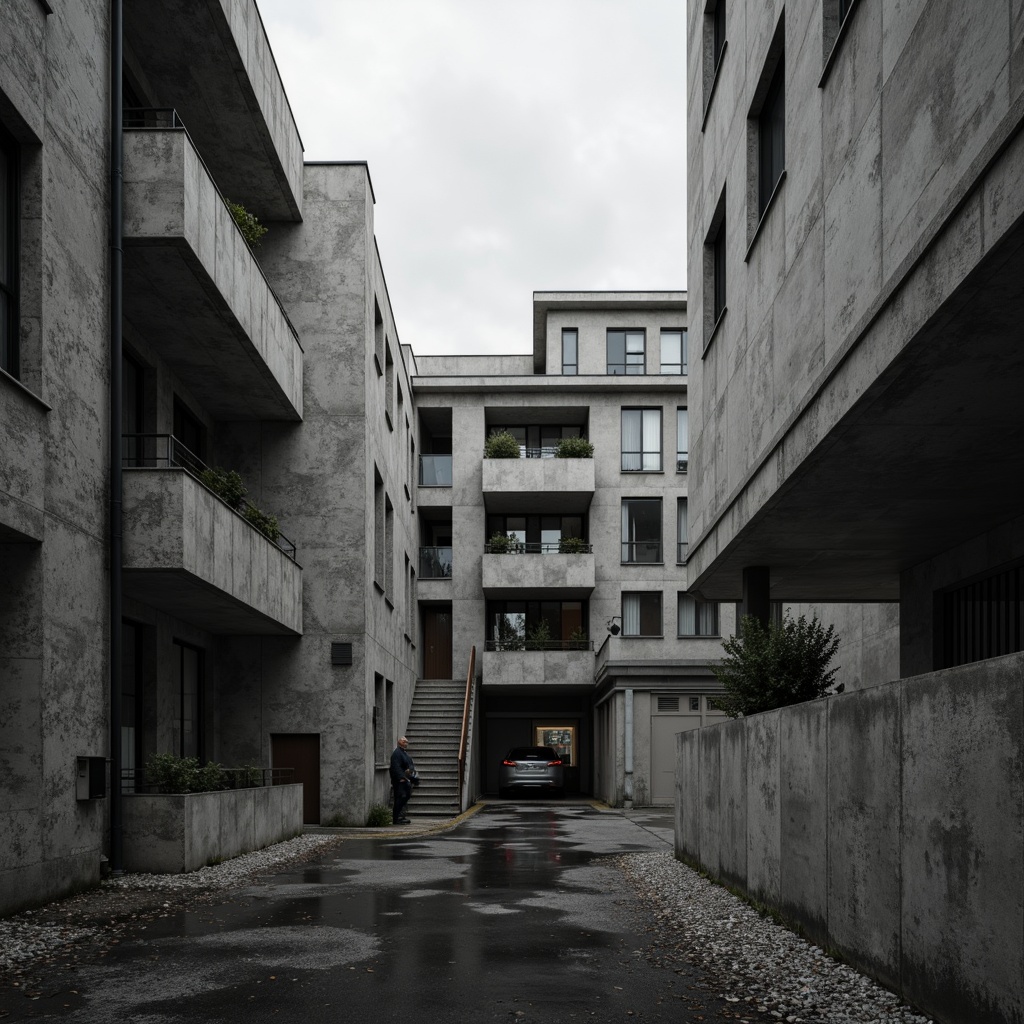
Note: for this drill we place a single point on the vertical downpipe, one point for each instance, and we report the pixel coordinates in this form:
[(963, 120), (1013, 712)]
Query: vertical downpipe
[(116, 282), (627, 786)]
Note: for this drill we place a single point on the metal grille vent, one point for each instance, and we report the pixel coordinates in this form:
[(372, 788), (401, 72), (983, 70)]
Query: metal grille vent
[(341, 654), (667, 703)]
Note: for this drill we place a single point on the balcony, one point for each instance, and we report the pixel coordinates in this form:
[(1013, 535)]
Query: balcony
[(538, 485), (538, 570), (213, 62), (24, 429), (556, 665), (187, 553), (194, 290)]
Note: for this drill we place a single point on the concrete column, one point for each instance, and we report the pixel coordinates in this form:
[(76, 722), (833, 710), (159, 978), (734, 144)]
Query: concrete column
[(756, 598)]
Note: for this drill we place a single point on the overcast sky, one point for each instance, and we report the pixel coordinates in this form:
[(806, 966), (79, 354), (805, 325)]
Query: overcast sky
[(514, 145)]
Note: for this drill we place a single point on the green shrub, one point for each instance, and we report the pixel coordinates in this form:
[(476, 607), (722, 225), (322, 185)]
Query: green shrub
[(226, 484), (252, 230), (572, 546), (574, 448), (501, 445), (774, 666), (380, 814), (578, 639), (538, 636), (265, 522), (503, 543), (172, 774)]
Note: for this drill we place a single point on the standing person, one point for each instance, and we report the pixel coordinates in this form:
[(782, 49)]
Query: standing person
[(402, 770)]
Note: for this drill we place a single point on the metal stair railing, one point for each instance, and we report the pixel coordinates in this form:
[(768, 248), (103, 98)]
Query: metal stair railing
[(470, 678)]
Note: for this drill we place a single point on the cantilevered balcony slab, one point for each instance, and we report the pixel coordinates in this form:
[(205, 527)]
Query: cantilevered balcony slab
[(24, 431), (211, 61), (188, 554), (194, 289), (538, 485), (538, 670), (550, 576)]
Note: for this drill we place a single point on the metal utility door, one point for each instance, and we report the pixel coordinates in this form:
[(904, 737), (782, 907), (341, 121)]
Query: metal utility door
[(663, 753), (301, 753), (437, 643)]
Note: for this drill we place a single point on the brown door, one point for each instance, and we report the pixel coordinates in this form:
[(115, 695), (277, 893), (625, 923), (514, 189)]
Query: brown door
[(301, 753), (437, 642)]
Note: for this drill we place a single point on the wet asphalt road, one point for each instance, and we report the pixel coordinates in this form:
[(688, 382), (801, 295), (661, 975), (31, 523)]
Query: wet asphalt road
[(510, 917)]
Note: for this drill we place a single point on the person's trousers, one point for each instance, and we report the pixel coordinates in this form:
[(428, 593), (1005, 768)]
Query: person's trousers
[(403, 790)]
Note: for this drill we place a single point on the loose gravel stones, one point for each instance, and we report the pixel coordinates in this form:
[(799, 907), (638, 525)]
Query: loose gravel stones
[(762, 970)]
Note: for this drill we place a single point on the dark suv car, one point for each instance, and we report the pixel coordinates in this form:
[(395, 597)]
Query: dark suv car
[(531, 768)]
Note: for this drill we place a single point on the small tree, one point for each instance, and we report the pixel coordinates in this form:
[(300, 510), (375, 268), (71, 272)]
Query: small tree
[(538, 636), (771, 667), (501, 445)]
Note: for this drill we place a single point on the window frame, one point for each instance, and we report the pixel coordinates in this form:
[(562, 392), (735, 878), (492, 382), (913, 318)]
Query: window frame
[(629, 369), (628, 547), (574, 334), (682, 530), (644, 451), (682, 454), (771, 138), (683, 351), (640, 595), (713, 607)]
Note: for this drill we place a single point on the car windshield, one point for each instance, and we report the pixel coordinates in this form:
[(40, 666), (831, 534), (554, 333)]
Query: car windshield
[(532, 754)]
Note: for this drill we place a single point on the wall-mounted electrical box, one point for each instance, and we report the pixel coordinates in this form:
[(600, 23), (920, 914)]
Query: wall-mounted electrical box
[(91, 778)]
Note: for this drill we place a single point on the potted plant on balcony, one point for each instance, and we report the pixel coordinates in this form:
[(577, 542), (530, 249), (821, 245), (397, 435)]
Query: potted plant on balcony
[(248, 224), (538, 636), (572, 546), (503, 544), (501, 445), (578, 639), (574, 448)]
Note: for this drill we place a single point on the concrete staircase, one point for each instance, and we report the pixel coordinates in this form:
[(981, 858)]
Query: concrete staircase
[(435, 727)]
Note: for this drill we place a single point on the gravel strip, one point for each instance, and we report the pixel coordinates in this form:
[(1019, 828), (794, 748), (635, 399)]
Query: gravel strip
[(58, 931), (762, 970)]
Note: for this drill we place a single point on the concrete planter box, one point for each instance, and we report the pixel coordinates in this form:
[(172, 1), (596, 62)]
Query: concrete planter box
[(532, 668), (522, 485), (167, 833), (555, 575)]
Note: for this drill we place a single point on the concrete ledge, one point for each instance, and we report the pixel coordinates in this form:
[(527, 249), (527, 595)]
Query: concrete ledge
[(168, 833), (538, 668), (534, 575), (538, 485)]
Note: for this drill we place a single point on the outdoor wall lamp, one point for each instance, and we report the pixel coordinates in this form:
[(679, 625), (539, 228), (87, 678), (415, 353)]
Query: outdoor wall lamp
[(612, 626)]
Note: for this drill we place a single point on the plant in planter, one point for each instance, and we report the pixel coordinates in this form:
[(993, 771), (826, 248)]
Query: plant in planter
[(572, 546), (265, 522), (578, 639), (574, 448), (503, 543), (226, 484), (538, 637), (501, 445), (252, 230)]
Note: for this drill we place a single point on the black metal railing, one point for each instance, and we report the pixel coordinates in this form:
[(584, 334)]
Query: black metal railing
[(150, 117), (133, 780), (165, 451), (555, 547), (641, 552), (436, 563), (523, 644)]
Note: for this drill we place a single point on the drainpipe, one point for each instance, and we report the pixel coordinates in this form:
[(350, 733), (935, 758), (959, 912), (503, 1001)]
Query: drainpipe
[(627, 786), (116, 282)]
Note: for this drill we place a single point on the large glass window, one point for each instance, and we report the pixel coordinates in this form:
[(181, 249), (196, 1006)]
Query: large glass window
[(641, 530), (682, 440), (570, 352), (673, 351), (537, 440), (10, 216), (188, 723), (697, 617), (682, 530), (543, 534), (626, 351), (771, 125), (536, 625), (641, 614), (641, 440)]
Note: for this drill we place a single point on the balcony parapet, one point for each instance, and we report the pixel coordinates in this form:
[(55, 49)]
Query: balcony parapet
[(554, 576), (538, 485), (555, 668), (194, 288)]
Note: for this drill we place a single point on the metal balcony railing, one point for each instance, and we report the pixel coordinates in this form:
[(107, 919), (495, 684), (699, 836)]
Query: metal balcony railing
[(150, 117), (435, 471), (539, 547), (436, 563), (133, 780), (165, 451), (522, 644)]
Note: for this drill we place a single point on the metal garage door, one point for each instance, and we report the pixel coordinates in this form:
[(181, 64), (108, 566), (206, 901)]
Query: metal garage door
[(663, 753)]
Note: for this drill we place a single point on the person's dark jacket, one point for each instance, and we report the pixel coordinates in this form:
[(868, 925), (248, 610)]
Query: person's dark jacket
[(401, 762)]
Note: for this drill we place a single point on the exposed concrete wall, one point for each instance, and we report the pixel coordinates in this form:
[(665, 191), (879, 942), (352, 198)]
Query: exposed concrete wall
[(172, 833), (887, 823)]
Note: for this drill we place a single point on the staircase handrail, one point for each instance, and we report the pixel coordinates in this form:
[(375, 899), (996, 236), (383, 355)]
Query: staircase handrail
[(470, 676)]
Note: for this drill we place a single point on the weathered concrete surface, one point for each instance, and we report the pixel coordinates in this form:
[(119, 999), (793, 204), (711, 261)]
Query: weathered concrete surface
[(887, 823), (194, 288), (538, 485), (188, 554), (24, 429), (524, 576), (539, 668), (168, 833)]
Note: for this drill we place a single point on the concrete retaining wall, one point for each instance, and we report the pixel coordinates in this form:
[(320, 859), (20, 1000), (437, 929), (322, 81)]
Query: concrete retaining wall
[(168, 833), (887, 823)]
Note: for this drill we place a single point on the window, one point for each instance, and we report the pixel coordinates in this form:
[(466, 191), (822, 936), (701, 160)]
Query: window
[(714, 271), (378, 339), (189, 431), (714, 48), (539, 534), (771, 138), (570, 352), (718, 34), (682, 440), (187, 727), (389, 548), (695, 703), (626, 352), (834, 17), (984, 619), (10, 223), (537, 441), (682, 530), (378, 528), (380, 737), (389, 385), (641, 530), (536, 625), (641, 440), (697, 617), (719, 255), (673, 351), (641, 614)]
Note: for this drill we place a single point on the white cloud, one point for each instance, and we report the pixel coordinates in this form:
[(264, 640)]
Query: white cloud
[(514, 146)]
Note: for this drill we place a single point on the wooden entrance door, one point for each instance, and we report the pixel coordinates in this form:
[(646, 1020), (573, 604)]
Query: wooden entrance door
[(437, 643), (301, 753)]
